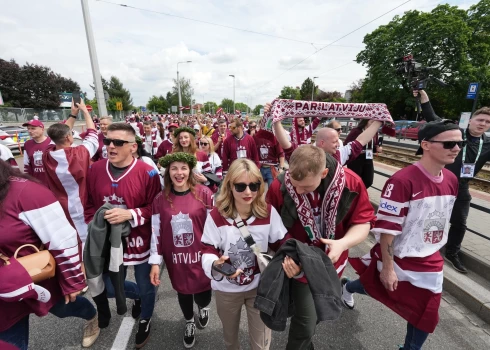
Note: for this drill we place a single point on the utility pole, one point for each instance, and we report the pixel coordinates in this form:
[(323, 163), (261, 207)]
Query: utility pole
[(231, 75), (178, 87), (99, 91), (313, 89)]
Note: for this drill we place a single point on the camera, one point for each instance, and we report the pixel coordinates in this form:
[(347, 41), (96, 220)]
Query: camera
[(417, 76)]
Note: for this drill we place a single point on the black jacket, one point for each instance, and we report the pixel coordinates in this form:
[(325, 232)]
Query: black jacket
[(471, 149), (273, 294)]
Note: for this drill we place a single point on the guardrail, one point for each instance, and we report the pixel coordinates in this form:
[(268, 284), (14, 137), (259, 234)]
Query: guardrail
[(472, 205)]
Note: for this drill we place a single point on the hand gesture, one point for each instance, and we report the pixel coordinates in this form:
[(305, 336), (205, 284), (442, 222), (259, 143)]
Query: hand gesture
[(117, 215), (267, 107), (74, 108), (82, 106), (335, 248), (290, 267), (389, 279), (71, 297), (200, 178), (155, 275), (221, 261)]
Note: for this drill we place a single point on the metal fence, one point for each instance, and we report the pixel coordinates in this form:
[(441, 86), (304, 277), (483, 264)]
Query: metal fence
[(21, 115)]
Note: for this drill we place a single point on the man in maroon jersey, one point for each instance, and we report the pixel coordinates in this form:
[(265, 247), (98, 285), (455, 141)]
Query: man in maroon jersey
[(167, 144), (34, 150), (66, 166), (304, 132), (241, 145), (219, 136), (130, 186), (270, 154), (101, 153)]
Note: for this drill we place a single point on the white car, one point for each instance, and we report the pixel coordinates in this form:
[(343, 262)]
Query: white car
[(6, 140)]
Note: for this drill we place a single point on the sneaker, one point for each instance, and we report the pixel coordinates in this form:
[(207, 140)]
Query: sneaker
[(457, 264), (91, 332), (347, 298), (202, 317), (143, 333), (136, 310), (189, 335)]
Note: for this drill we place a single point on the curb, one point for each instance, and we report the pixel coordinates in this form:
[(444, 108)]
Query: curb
[(468, 292)]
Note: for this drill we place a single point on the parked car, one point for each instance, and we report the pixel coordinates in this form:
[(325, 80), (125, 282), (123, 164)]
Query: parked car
[(18, 134), (411, 132), (6, 140), (403, 124)]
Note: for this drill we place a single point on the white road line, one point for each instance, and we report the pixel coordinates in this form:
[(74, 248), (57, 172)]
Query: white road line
[(124, 333)]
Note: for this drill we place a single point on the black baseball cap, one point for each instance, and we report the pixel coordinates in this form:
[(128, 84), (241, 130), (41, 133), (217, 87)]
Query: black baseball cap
[(429, 130)]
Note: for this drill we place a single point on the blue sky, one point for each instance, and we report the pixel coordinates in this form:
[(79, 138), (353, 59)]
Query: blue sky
[(142, 48)]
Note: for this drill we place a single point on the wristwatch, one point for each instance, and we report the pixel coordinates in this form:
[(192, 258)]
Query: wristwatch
[(72, 116)]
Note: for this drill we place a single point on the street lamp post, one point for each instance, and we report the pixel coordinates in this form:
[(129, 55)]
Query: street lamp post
[(232, 75), (313, 89), (178, 86)]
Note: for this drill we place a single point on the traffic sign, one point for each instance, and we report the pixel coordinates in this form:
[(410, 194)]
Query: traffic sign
[(143, 109), (174, 109), (119, 106), (472, 91), (464, 120), (89, 108)]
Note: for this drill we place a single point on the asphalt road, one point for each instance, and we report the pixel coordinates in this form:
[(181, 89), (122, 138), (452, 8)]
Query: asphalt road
[(369, 326)]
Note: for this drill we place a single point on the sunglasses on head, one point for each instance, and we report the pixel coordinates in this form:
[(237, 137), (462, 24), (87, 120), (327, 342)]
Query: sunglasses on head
[(240, 187), (450, 144), (117, 143)]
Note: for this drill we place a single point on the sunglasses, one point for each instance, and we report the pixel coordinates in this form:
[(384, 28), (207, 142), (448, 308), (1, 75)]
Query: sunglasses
[(339, 129), (203, 143), (117, 143), (253, 126), (240, 187), (450, 144)]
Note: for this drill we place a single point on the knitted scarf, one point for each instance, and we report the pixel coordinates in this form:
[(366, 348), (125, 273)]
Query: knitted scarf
[(282, 109), (329, 207)]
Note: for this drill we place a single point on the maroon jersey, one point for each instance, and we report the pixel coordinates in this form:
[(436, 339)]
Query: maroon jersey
[(234, 148), (177, 227), (67, 175), (32, 215), (33, 159), (135, 190), (102, 150), (164, 148), (215, 138), (269, 150)]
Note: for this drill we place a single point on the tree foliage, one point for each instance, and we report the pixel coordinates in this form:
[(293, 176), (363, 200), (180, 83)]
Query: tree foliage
[(256, 110), (32, 86), (158, 104), (329, 96), (453, 41), (306, 89), (210, 106), (290, 93), (242, 107), (186, 92), (227, 105)]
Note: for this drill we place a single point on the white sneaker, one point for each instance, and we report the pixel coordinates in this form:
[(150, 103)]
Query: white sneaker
[(347, 298)]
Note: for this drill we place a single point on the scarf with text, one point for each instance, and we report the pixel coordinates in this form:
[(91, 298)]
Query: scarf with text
[(329, 207)]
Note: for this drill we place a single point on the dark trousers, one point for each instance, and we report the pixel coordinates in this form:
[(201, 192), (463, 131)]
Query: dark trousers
[(18, 334), (414, 338), (304, 321), (186, 302), (458, 221), (364, 168)]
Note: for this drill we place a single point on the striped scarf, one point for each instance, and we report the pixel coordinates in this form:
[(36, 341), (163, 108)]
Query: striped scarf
[(154, 145)]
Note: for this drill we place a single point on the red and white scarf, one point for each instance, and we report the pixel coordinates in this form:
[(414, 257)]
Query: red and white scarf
[(282, 109), (329, 207), (154, 144)]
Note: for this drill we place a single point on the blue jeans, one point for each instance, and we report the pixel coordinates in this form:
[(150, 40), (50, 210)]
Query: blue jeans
[(18, 334), (142, 289), (266, 175), (415, 337)]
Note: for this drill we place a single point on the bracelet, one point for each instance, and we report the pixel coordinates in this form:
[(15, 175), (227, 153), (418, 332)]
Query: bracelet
[(72, 116)]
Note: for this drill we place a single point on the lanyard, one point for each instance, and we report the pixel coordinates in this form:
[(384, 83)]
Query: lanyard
[(479, 151)]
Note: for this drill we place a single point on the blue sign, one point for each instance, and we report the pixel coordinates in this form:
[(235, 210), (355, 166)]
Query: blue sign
[(143, 109), (472, 90)]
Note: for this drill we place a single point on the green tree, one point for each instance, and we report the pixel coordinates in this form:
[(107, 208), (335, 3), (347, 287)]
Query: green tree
[(186, 92), (210, 106), (227, 105), (158, 104), (290, 93), (329, 96), (306, 89), (256, 110), (117, 93), (242, 107), (454, 42), (32, 86)]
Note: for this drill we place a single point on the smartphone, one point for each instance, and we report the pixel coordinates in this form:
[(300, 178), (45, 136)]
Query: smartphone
[(225, 268), (76, 97)]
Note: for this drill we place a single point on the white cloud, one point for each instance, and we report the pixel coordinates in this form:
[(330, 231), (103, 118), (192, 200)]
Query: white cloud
[(143, 48)]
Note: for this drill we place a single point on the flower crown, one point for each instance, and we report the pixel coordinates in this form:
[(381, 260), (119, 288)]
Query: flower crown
[(184, 129), (178, 157), (138, 139)]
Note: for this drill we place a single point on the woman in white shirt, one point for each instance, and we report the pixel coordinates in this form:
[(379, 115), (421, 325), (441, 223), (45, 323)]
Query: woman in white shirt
[(207, 145), (242, 193)]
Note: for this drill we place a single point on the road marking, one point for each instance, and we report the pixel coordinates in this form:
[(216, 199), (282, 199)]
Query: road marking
[(124, 333)]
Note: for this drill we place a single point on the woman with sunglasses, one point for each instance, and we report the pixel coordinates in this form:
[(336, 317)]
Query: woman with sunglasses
[(178, 216), (242, 194), (185, 138), (206, 145)]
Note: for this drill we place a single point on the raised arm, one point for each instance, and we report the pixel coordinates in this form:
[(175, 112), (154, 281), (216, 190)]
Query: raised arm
[(368, 134)]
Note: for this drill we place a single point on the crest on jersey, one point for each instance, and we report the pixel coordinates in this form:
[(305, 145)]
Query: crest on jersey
[(38, 158), (264, 152), (182, 230), (434, 227), (243, 258), (104, 152)]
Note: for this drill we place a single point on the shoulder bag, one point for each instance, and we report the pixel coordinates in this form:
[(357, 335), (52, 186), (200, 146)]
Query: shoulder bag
[(40, 265)]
